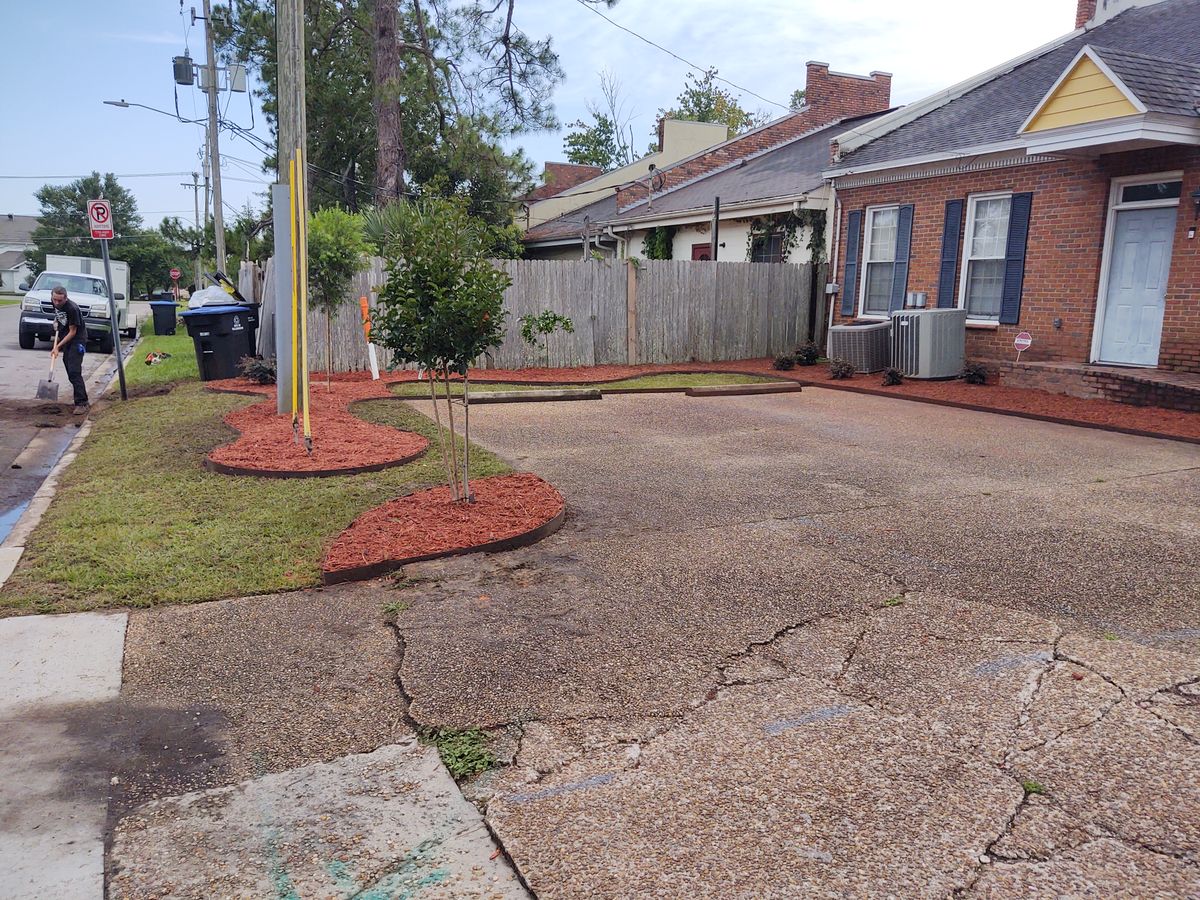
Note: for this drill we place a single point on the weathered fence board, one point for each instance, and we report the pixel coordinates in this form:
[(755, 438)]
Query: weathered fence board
[(686, 311)]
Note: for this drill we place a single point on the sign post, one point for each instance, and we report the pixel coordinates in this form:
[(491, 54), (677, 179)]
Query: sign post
[(100, 219), (1022, 342)]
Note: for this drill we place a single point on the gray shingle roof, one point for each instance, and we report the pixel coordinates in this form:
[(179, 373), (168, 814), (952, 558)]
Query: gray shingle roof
[(10, 259), (784, 171), (1163, 85), (570, 224), (994, 111), (16, 229)]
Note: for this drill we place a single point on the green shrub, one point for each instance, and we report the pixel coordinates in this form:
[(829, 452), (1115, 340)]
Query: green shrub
[(261, 371), (975, 373), (892, 376), (840, 369), (783, 363), (807, 354)]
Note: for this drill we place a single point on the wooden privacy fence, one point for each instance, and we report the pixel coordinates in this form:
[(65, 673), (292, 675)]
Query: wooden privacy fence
[(668, 311)]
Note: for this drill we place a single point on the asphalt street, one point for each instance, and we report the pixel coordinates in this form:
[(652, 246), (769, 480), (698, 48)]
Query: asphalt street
[(21, 370)]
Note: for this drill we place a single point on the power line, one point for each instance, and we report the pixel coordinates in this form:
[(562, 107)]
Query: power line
[(89, 175), (588, 6)]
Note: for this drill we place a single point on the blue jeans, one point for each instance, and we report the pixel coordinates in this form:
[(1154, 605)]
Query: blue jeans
[(72, 357)]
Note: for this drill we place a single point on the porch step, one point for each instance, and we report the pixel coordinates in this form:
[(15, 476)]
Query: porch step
[(1135, 386)]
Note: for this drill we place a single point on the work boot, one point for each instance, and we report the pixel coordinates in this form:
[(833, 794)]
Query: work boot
[(80, 409)]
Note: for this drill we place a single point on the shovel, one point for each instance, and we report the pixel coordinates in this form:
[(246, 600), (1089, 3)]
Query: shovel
[(48, 390)]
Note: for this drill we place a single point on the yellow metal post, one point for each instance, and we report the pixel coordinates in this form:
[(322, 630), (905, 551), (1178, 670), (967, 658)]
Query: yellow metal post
[(303, 226), (295, 361)]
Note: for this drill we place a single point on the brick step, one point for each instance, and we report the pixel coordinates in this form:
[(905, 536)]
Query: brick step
[(1137, 387)]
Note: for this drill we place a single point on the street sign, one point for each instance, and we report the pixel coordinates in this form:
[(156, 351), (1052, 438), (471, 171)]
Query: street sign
[(1023, 341), (100, 219), (175, 273)]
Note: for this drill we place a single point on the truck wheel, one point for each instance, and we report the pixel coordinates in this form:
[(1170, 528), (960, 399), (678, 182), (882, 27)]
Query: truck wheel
[(106, 343), (26, 339)]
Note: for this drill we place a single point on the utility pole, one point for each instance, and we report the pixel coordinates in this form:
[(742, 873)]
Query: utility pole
[(292, 131), (214, 127), (199, 225)]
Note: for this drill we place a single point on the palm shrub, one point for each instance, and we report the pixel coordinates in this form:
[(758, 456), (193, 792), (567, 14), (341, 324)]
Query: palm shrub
[(442, 304), (336, 247)]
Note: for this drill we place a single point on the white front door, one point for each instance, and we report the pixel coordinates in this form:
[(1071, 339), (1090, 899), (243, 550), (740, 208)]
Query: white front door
[(1137, 285)]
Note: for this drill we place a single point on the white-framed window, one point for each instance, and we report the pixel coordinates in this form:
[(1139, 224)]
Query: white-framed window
[(879, 260), (982, 281)]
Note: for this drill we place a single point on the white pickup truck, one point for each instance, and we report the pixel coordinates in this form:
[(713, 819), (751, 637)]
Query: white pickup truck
[(84, 280), (90, 293)]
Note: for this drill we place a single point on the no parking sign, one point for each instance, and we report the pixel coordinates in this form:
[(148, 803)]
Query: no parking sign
[(100, 219)]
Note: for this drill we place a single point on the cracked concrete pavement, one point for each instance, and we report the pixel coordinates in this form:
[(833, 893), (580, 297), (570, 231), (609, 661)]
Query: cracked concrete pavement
[(801, 645)]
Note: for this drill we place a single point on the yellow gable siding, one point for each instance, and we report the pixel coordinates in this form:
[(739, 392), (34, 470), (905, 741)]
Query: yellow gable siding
[(1087, 95)]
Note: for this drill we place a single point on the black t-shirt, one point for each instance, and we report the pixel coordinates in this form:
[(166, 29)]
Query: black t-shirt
[(67, 315)]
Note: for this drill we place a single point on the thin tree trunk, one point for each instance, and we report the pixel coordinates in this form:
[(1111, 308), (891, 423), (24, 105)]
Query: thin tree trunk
[(437, 420), (328, 350), (390, 155), (450, 414), (467, 438)]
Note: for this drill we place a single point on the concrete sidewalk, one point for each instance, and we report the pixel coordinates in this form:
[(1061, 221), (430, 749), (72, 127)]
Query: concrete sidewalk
[(61, 676)]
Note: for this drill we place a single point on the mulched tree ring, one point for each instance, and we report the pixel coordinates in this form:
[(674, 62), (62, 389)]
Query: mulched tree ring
[(343, 443), (509, 511)]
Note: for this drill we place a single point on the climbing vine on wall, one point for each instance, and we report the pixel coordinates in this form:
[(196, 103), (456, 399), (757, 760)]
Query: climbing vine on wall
[(787, 225), (657, 243)]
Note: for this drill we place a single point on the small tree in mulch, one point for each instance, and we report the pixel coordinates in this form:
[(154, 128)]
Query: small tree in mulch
[(336, 247), (442, 305)]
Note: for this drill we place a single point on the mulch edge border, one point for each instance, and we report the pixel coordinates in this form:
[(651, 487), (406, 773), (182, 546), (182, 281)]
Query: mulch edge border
[(223, 469), (1016, 413), (375, 570)]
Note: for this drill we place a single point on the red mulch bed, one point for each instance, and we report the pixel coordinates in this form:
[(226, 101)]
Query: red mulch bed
[(342, 443), (509, 511)]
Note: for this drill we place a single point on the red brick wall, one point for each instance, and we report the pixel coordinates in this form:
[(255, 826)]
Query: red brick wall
[(1062, 262), (1084, 12), (829, 97), (560, 176)]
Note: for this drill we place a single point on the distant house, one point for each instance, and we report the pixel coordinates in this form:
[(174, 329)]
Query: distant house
[(1057, 194), (576, 229), (16, 236), (769, 183)]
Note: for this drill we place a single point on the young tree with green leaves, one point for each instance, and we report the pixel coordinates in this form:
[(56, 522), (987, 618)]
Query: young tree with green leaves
[(703, 100), (336, 247), (63, 223), (442, 304)]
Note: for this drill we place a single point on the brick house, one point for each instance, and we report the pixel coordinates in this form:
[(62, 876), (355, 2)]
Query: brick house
[(765, 174), (1057, 194)]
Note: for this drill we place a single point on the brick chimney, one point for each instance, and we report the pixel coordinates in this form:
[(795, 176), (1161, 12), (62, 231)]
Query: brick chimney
[(829, 96), (560, 176), (1085, 11), (834, 95)]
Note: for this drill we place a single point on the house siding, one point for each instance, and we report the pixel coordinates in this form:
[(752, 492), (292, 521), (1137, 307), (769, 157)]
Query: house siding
[(1064, 252)]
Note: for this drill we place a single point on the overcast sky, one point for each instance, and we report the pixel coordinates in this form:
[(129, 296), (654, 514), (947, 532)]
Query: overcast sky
[(64, 58)]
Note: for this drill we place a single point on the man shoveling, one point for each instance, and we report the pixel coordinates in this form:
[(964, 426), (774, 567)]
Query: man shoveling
[(72, 343)]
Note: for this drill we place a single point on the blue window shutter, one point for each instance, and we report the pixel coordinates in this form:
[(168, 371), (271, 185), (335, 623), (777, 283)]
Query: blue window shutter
[(900, 271), (951, 235), (850, 276), (1014, 258)]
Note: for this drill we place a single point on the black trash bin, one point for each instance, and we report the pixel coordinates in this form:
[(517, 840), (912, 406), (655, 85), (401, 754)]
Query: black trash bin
[(219, 335), (251, 322), (164, 316)]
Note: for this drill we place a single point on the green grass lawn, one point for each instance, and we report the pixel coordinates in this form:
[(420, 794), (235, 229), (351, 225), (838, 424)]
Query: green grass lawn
[(180, 367), (138, 521), (9, 301), (681, 380)]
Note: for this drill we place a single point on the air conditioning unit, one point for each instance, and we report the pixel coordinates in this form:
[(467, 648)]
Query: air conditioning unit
[(929, 343), (863, 346)]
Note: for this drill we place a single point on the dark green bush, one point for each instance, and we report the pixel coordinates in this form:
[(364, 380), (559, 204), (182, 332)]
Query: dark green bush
[(892, 376), (807, 354), (258, 370), (840, 368), (975, 373), (783, 363)]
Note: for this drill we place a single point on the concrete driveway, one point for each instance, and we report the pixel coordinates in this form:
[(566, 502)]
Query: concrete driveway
[(21, 370), (797, 645)]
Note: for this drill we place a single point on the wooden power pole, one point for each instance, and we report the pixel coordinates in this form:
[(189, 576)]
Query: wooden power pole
[(214, 128)]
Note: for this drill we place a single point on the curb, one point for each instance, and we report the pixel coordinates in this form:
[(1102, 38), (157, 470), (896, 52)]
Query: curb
[(743, 390), (364, 573), (535, 396), (223, 469)]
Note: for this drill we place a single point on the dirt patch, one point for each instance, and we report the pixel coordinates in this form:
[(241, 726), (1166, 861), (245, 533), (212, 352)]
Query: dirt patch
[(342, 443), (38, 413), (509, 510)]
